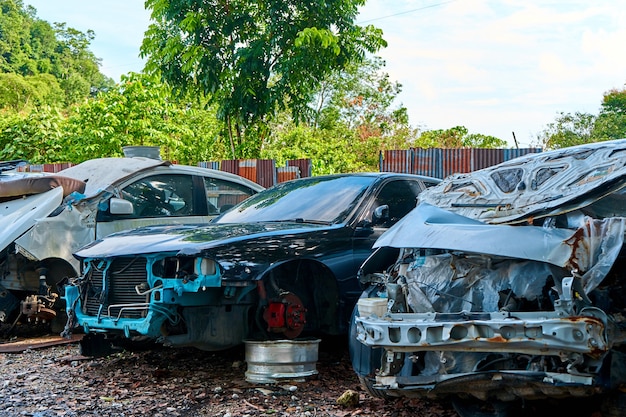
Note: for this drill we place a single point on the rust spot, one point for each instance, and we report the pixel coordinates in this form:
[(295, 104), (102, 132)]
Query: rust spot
[(498, 339)]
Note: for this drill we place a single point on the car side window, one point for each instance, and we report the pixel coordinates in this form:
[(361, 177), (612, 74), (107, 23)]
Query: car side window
[(400, 196), (222, 195), (164, 195)]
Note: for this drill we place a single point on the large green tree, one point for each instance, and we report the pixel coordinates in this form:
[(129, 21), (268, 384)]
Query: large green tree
[(254, 58)]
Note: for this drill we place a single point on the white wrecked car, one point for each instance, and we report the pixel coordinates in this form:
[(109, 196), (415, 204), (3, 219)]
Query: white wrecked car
[(503, 286), (45, 218)]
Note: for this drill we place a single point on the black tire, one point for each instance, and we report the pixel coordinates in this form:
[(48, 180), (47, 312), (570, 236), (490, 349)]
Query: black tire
[(368, 386)]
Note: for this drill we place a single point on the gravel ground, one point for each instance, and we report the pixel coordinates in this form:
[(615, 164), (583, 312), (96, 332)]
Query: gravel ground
[(57, 381), (168, 382)]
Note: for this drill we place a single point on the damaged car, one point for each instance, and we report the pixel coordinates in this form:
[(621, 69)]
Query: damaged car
[(281, 264), (502, 287), (46, 217)]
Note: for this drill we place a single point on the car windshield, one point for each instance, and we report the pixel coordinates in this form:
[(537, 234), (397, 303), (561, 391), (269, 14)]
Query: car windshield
[(315, 199)]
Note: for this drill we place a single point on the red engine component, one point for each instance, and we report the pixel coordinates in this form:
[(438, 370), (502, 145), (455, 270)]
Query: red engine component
[(286, 315)]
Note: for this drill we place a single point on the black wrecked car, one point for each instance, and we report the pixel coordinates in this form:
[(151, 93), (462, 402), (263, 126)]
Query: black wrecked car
[(281, 264), (504, 288)]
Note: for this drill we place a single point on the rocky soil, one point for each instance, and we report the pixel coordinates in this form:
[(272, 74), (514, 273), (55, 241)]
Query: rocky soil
[(57, 381)]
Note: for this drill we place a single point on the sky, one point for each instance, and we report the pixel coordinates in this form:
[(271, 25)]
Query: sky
[(504, 68)]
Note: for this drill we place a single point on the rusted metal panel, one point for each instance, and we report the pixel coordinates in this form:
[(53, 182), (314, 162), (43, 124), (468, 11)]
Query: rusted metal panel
[(230, 165), (304, 165), (287, 173), (439, 162), (247, 169), (514, 153), (209, 164), (483, 158), (427, 161), (397, 161), (456, 160), (265, 172)]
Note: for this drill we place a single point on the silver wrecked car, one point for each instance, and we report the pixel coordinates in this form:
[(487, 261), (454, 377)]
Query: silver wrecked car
[(502, 287), (46, 218)]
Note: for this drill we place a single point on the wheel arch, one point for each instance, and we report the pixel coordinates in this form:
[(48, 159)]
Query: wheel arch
[(315, 284)]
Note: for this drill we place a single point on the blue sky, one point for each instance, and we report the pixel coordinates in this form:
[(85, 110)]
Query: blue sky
[(493, 66)]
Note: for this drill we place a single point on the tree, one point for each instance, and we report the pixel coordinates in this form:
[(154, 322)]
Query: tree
[(140, 111), (254, 58), (457, 137), (352, 119), (611, 121), (568, 130), (30, 47)]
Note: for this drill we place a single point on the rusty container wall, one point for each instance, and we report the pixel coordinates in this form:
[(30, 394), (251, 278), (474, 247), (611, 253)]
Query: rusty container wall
[(427, 161), (304, 165), (456, 160), (287, 173), (247, 169), (230, 165), (209, 164), (483, 158), (265, 172), (515, 153), (396, 161), (56, 167)]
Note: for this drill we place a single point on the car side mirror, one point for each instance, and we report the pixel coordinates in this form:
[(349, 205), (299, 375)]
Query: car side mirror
[(120, 206), (381, 214)]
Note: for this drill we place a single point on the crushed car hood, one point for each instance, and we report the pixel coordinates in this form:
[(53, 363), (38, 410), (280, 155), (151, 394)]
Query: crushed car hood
[(190, 239), (19, 215), (589, 250), (535, 185)]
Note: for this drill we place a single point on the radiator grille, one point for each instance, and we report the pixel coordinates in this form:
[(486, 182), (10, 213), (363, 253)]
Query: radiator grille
[(124, 274)]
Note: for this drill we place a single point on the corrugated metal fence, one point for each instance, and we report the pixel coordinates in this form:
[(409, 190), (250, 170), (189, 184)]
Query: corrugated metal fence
[(433, 162), (440, 162)]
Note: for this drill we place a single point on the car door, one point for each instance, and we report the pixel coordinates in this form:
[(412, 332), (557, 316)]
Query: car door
[(394, 199), (168, 198)]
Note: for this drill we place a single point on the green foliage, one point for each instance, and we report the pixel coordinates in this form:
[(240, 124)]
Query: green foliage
[(579, 128), (352, 120), (35, 137), (330, 150), (138, 111), (19, 93), (569, 130), (30, 47), (254, 58), (611, 122), (457, 137)]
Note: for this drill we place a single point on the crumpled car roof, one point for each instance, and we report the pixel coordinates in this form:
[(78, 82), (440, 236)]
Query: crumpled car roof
[(536, 185), (100, 173)]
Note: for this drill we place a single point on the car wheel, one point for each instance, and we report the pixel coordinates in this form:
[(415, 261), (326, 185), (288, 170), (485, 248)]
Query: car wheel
[(368, 386)]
